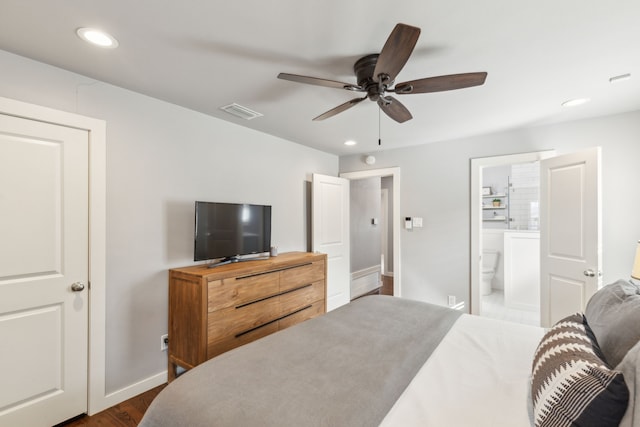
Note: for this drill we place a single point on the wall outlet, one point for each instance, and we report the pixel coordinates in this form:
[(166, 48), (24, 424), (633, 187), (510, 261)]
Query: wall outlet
[(459, 306), (452, 300), (164, 342)]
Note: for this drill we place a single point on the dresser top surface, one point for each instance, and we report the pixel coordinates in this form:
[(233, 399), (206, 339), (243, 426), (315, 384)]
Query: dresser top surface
[(283, 260)]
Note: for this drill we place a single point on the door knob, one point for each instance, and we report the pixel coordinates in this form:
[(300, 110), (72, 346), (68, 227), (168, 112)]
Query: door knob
[(77, 287), (590, 273)]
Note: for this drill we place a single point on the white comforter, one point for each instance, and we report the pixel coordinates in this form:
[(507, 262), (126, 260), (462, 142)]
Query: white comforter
[(478, 376)]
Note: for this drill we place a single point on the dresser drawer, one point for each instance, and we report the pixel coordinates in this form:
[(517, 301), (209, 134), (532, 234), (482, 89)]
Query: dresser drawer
[(301, 297), (302, 275), (217, 347), (239, 337), (237, 291), (308, 312), (234, 321)]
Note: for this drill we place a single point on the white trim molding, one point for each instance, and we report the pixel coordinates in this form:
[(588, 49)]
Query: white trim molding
[(365, 280)]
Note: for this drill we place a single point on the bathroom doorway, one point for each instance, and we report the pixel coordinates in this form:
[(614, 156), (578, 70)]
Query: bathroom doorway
[(505, 237), (510, 275)]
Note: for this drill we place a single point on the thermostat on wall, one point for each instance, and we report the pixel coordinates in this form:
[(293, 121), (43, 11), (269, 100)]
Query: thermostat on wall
[(407, 223)]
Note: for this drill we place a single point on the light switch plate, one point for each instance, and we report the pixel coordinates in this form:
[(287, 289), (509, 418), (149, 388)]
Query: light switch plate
[(417, 222)]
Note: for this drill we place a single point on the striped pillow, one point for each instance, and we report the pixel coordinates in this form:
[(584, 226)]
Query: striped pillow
[(571, 385)]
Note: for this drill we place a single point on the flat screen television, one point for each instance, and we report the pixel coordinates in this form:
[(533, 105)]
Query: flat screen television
[(227, 231)]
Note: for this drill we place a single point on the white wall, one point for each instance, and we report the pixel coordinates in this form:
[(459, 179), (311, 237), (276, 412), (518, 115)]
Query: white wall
[(435, 186), (387, 185), (160, 159), (365, 236)]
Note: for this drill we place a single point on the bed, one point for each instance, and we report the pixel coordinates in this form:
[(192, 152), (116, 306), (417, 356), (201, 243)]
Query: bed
[(386, 361)]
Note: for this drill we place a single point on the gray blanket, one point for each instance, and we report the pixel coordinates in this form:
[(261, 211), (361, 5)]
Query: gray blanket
[(346, 368)]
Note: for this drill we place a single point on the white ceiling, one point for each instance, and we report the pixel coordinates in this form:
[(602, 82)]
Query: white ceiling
[(204, 54)]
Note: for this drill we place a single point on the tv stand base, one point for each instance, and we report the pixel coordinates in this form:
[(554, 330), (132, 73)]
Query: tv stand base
[(232, 260)]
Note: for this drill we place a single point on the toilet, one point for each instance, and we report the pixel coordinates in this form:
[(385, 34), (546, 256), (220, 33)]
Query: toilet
[(489, 264)]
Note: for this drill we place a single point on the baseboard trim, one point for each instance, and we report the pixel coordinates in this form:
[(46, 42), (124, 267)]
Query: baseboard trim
[(364, 281), (126, 393)]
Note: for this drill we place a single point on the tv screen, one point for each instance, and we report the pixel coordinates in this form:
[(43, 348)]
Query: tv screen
[(230, 230)]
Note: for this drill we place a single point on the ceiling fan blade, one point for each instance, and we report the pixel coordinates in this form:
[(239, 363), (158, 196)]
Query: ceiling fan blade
[(441, 83), (318, 82), (396, 51), (394, 109), (339, 109)]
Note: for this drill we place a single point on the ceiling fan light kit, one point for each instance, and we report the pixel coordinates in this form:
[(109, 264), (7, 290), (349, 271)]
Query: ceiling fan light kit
[(376, 74)]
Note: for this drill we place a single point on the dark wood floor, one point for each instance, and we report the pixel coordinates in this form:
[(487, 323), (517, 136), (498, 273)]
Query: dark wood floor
[(125, 414)]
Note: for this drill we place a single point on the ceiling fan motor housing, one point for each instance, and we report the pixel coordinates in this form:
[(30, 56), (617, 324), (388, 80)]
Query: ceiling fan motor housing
[(363, 69)]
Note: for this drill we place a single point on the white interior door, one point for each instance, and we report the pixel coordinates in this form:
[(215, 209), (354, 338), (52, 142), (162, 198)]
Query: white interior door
[(570, 238), (330, 235), (43, 253)]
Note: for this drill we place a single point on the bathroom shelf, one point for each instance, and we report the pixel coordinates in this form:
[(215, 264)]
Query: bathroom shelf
[(504, 206), (501, 213)]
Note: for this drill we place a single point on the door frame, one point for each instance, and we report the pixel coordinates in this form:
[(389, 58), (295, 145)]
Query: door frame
[(475, 202), (395, 173), (96, 129)]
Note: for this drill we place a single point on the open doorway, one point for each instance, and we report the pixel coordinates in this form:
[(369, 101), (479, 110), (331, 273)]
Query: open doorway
[(370, 233), (570, 230), (510, 245), (388, 226)]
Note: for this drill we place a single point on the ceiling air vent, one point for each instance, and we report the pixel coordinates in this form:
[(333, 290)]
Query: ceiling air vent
[(240, 111)]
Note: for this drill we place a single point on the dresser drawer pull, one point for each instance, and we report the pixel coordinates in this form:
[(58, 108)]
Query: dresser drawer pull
[(238, 335), (273, 271), (272, 296)]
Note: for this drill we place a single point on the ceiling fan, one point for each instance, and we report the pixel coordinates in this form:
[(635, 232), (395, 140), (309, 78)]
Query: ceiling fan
[(376, 74)]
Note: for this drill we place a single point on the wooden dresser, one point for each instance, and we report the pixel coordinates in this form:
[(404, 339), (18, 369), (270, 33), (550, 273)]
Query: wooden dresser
[(212, 310)]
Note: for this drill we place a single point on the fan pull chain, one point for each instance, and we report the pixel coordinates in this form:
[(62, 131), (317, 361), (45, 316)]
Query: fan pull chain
[(379, 139)]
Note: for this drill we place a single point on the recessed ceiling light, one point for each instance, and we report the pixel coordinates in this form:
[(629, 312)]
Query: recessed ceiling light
[(575, 102), (97, 37), (350, 142)]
